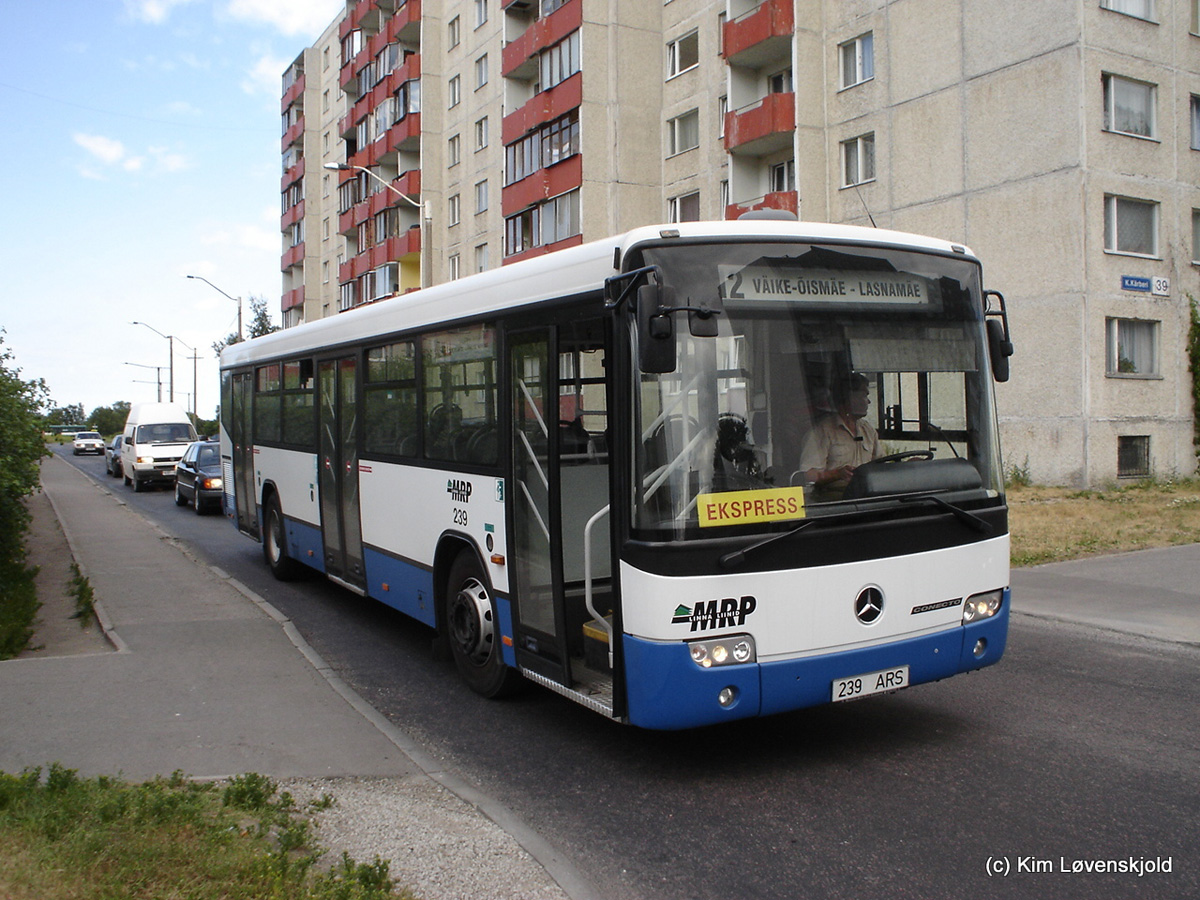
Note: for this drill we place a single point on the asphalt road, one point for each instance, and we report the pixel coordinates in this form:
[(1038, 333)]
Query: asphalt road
[(1080, 749)]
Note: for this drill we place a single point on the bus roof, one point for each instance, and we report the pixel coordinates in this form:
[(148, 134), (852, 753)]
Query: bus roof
[(564, 273)]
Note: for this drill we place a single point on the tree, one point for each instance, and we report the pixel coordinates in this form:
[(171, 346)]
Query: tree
[(72, 414), (260, 324), (109, 419)]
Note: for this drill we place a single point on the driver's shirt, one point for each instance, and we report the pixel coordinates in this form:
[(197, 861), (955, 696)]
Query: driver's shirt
[(831, 444)]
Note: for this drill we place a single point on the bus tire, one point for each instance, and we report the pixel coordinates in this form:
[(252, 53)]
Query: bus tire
[(282, 566), (472, 631)]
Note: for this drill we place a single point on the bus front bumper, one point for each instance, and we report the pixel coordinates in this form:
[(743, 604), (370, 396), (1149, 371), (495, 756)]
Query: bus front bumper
[(666, 690)]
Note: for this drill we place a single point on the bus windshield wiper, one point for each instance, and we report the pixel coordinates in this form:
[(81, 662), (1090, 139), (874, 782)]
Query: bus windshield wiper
[(737, 557), (967, 518)]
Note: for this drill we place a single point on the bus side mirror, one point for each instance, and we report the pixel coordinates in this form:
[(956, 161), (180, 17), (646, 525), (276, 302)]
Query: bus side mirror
[(656, 330), (1000, 348)]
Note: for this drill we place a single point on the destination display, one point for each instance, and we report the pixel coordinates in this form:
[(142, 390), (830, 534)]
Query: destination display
[(768, 284)]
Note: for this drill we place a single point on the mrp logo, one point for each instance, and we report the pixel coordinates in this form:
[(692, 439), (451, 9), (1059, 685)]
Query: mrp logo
[(713, 614), (459, 491)]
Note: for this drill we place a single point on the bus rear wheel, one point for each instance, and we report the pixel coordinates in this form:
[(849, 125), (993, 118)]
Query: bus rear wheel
[(282, 566), (473, 631)]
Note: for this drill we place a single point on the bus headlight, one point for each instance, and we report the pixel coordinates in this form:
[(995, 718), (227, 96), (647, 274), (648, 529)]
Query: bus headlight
[(982, 606), (727, 651)]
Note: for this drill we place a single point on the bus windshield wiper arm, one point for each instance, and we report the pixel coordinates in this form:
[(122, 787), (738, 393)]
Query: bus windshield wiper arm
[(737, 557), (967, 518)]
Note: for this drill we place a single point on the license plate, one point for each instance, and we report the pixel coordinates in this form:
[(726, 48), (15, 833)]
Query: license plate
[(871, 683)]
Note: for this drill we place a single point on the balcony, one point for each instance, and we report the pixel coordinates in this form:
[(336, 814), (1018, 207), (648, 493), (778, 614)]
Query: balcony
[(293, 93), (543, 184), (762, 128), (405, 247), (785, 200), (544, 107), (762, 36), (291, 299), (293, 256), (541, 34), (291, 176)]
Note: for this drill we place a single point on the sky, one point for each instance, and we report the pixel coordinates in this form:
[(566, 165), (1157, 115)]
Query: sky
[(141, 144)]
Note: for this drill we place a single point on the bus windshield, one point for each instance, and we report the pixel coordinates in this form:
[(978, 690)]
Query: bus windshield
[(842, 380)]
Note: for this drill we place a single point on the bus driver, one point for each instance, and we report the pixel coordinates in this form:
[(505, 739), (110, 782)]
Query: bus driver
[(842, 441)]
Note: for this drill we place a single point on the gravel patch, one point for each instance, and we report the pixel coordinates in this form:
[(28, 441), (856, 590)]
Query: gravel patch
[(436, 844)]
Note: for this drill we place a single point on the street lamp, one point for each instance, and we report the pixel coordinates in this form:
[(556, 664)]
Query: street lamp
[(424, 206), (237, 300), (157, 373), (170, 356), (195, 388)]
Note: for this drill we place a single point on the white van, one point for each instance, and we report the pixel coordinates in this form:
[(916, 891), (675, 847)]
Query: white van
[(155, 437)]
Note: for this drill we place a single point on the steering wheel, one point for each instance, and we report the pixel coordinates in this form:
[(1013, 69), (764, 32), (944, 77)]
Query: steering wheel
[(907, 454)]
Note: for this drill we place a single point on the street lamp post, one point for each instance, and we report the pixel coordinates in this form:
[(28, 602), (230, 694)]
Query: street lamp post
[(170, 354), (157, 374), (424, 206), (195, 386), (237, 300)]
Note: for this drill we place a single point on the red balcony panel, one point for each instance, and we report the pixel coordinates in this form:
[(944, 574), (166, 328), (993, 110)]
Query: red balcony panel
[(292, 94), (406, 23), (291, 176), (292, 135), (785, 200), (293, 256), (764, 127), (405, 134), (573, 241), (542, 34), (291, 299), (544, 107), (760, 36), (293, 215), (542, 185), (409, 183)]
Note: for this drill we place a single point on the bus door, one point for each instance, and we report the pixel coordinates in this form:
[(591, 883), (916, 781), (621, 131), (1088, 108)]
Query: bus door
[(341, 526), (560, 494), (241, 436)]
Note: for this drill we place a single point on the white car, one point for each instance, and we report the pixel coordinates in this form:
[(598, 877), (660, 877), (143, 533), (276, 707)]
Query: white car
[(89, 442)]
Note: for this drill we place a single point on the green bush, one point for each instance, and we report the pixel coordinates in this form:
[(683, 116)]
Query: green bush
[(21, 449)]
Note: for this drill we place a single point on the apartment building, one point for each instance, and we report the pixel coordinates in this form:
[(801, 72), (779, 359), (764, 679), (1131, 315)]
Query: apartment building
[(1059, 140)]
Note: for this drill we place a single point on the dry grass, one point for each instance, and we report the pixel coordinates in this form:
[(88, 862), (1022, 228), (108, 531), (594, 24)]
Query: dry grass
[(1051, 524)]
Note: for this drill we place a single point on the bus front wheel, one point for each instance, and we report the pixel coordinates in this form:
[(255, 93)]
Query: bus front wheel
[(473, 631), (282, 566)]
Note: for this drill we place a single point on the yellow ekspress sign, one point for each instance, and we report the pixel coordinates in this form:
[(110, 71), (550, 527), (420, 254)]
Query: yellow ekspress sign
[(748, 507)]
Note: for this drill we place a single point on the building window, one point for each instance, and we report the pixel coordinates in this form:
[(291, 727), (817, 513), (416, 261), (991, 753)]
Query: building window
[(1196, 118), (560, 218), (453, 211), (683, 133), (454, 91), (546, 146), (780, 82), (858, 160), (783, 176), (1133, 456), (481, 134), (481, 197), (481, 71), (481, 12), (1129, 106), (858, 60), (683, 54), (1142, 9), (453, 151), (722, 109), (481, 258), (685, 208), (1195, 4), (455, 266), (453, 33), (559, 63), (1130, 226), (1132, 347), (1196, 237)]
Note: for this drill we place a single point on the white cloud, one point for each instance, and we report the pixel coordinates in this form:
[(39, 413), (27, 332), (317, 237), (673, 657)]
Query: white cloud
[(239, 234), (104, 149), (153, 11), (292, 17), (266, 76)]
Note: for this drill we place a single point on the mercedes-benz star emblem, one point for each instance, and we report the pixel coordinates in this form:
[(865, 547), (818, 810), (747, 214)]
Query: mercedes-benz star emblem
[(868, 606)]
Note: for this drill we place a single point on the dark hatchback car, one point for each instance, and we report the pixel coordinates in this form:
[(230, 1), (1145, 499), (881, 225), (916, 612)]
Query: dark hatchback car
[(112, 456), (198, 477)]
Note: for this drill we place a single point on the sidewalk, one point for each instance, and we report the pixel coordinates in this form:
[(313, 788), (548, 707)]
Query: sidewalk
[(204, 677)]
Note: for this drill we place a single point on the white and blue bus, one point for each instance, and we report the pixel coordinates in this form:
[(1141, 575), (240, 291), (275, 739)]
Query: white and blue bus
[(585, 469)]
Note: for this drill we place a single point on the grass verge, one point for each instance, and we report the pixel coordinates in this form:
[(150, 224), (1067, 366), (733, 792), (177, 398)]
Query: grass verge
[(1053, 524), (86, 839)]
